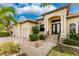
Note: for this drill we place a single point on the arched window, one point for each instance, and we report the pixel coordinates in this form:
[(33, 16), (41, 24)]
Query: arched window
[(72, 27)]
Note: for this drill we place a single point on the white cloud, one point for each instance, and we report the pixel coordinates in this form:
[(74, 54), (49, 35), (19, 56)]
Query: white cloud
[(35, 9), (36, 4)]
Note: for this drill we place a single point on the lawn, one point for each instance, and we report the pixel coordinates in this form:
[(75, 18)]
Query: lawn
[(63, 51)]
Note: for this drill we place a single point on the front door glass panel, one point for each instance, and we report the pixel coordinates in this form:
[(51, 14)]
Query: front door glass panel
[(56, 28)]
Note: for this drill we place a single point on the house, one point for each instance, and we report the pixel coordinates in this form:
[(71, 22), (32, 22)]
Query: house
[(58, 21)]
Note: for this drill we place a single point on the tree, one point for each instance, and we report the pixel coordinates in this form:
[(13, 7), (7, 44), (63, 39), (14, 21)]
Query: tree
[(7, 16)]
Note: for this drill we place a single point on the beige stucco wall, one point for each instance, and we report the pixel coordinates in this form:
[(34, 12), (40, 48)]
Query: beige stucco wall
[(23, 30), (72, 20), (29, 28), (47, 21), (41, 22), (49, 24), (62, 14), (69, 21), (16, 31)]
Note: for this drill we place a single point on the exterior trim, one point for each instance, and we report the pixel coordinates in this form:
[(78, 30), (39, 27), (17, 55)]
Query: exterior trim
[(39, 19), (28, 21), (68, 17)]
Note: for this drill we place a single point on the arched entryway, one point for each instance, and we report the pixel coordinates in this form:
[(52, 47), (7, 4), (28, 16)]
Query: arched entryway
[(54, 25), (53, 17)]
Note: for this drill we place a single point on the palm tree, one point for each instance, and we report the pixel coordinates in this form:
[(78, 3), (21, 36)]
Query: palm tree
[(7, 16)]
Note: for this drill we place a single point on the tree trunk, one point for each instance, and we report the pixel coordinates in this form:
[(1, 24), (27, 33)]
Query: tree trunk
[(8, 30)]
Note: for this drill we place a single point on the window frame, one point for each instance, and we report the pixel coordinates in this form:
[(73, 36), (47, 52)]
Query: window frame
[(72, 28), (42, 28)]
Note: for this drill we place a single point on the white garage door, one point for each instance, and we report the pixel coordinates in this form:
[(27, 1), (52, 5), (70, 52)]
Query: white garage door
[(16, 32)]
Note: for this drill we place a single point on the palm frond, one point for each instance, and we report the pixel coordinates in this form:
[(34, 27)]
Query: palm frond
[(7, 19), (11, 18), (7, 9)]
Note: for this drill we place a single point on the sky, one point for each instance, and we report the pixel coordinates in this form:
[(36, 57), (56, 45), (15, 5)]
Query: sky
[(33, 11)]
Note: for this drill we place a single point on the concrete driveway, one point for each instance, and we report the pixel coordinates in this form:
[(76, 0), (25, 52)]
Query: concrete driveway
[(6, 39), (28, 48)]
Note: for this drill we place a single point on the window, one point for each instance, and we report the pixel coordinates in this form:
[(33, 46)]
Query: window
[(42, 27), (72, 27)]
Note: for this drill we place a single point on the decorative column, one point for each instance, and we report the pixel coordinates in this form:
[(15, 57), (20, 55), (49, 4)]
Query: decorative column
[(46, 24), (63, 25), (77, 26)]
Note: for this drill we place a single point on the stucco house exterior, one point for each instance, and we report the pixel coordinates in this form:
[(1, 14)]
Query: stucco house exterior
[(54, 22), (23, 29)]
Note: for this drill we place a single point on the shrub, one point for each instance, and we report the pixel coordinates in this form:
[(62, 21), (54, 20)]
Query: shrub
[(8, 48), (74, 36), (72, 39), (4, 34), (71, 42), (35, 30), (33, 37), (42, 37)]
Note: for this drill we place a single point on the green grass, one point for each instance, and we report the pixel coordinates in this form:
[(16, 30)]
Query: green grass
[(63, 51), (9, 48)]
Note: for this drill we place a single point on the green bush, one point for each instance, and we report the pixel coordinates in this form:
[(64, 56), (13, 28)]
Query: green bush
[(42, 37), (35, 30), (71, 42), (33, 37), (74, 36), (72, 39), (8, 48), (4, 34)]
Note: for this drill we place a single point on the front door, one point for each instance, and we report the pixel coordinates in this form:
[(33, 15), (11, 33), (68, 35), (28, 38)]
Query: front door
[(56, 28)]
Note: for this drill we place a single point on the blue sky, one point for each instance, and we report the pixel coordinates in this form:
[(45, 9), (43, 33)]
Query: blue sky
[(33, 11)]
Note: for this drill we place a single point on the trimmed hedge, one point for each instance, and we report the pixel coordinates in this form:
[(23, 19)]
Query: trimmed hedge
[(35, 30), (72, 39), (4, 34), (71, 42), (33, 37), (74, 36), (42, 37)]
